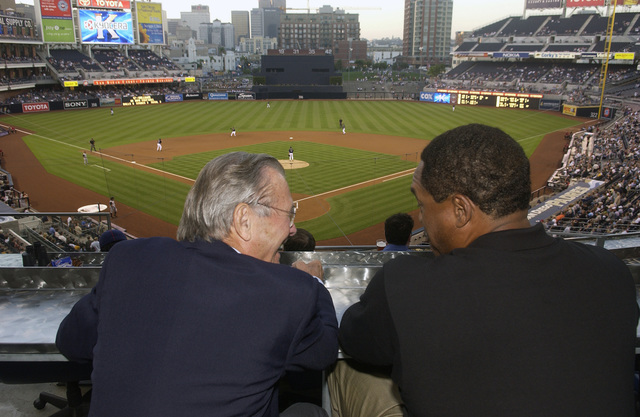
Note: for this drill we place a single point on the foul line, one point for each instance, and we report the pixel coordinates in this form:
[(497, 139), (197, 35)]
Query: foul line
[(98, 166), (384, 178), (109, 156), (388, 178)]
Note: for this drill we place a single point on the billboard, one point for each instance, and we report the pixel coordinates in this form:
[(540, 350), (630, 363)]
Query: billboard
[(58, 30), (101, 26), (105, 4), (627, 3), (543, 4), (56, 8), (57, 23), (35, 107), (150, 23), (168, 98), (511, 54), (585, 3), (76, 104), (218, 96)]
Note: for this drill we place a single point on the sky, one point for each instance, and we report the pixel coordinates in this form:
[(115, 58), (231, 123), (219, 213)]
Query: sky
[(378, 18)]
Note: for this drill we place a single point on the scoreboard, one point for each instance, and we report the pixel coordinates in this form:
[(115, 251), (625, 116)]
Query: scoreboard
[(495, 99)]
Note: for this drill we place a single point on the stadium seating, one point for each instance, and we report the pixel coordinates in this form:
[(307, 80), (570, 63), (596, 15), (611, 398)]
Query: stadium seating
[(610, 155)]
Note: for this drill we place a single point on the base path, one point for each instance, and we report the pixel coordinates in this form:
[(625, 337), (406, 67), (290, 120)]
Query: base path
[(49, 193)]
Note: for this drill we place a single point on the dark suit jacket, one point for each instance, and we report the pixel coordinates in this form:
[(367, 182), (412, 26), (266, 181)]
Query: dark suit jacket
[(196, 329), (516, 324)]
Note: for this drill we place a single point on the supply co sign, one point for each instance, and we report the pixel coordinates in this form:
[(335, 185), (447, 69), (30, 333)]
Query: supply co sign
[(34, 107)]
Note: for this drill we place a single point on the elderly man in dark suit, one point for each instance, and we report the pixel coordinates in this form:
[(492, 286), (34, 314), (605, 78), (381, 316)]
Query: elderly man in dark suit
[(208, 324), (505, 321)]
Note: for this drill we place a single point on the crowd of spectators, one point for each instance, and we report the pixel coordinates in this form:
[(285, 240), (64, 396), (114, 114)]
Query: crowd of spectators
[(57, 94), (612, 156), (9, 243), (72, 61), (150, 61), (113, 60)]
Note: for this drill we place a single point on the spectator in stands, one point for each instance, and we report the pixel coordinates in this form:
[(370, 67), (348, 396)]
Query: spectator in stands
[(94, 245), (397, 232), (206, 325), (485, 328), (110, 238), (302, 240)]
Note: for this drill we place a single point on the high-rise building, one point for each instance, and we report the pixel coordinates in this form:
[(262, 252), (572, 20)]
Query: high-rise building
[(205, 31), (199, 14), (276, 4), (427, 31), (265, 22), (318, 30), (257, 26), (228, 36), (216, 32), (240, 22), (271, 22), (172, 25)]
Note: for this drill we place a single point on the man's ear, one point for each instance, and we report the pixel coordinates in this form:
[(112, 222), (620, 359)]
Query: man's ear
[(463, 209), (242, 221)]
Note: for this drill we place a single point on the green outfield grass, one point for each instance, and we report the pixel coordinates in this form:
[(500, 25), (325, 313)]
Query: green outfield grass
[(61, 135)]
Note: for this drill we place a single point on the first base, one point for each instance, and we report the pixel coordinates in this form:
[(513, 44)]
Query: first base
[(291, 137)]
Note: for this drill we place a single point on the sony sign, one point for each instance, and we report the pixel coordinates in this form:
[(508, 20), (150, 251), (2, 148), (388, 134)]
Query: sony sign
[(76, 104)]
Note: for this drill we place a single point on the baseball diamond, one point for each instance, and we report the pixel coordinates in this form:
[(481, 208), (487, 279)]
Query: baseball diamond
[(351, 184)]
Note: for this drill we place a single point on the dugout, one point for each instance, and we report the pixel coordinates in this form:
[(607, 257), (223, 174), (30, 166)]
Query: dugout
[(298, 76)]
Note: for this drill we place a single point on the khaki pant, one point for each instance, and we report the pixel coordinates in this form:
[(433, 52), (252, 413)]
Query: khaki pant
[(358, 394)]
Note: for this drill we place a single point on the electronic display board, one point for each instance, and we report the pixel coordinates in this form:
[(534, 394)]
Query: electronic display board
[(101, 26), (496, 99)]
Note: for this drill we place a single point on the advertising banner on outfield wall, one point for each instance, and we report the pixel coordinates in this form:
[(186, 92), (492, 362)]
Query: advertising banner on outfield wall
[(35, 107), (569, 110), (435, 97), (546, 104), (150, 23), (543, 4), (192, 96), (172, 97), (218, 96), (585, 3), (101, 26), (76, 104), (110, 102)]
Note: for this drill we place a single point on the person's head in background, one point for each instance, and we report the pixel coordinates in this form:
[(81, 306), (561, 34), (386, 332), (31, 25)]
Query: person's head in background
[(110, 238), (303, 240), (397, 231)]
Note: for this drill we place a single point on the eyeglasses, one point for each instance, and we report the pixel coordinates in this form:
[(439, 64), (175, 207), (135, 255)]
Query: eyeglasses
[(291, 213)]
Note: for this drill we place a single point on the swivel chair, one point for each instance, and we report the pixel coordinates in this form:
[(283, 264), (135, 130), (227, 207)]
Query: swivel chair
[(71, 373)]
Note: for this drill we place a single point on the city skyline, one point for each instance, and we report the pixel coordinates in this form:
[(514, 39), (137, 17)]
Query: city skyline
[(378, 19)]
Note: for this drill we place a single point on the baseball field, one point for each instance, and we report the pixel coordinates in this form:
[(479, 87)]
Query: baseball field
[(344, 183)]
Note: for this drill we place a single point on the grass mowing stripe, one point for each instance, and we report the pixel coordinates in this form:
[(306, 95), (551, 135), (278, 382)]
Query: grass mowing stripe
[(331, 167)]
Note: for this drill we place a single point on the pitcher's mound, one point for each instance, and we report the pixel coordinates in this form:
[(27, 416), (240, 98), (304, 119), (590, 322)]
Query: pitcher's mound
[(295, 164)]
